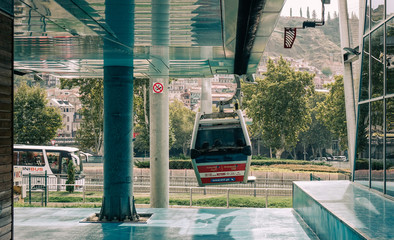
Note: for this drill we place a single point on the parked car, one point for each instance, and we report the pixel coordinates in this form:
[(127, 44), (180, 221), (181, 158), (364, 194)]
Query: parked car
[(340, 158)]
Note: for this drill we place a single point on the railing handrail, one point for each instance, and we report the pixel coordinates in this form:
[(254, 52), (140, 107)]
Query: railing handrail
[(180, 187)]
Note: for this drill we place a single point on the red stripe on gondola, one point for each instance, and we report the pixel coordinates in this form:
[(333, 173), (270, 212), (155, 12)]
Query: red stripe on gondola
[(225, 180), (221, 168)]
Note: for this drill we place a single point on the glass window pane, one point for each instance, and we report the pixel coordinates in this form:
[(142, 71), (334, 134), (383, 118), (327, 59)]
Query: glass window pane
[(377, 132), (390, 146), (377, 67), (361, 168), (389, 8), (364, 84), (54, 161), (366, 24), (377, 12), (390, 56)]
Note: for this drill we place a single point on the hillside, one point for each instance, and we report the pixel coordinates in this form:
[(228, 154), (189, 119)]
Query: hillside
[(319, 46)]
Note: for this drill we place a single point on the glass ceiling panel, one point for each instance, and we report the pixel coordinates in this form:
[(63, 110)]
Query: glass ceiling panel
[(65, 37)]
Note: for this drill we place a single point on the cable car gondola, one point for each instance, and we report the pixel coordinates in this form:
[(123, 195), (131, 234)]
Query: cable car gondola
[(220, 148)]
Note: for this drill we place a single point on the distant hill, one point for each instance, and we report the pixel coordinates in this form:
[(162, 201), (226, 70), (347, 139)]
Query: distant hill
[(319, 46)]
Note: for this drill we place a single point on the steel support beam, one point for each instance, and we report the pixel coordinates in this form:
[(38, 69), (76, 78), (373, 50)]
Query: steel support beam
[(206, 96), (348, 82), (118, 113), (159, 105)]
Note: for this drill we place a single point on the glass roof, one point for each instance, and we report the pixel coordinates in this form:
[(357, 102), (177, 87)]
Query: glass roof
[(65, 38)]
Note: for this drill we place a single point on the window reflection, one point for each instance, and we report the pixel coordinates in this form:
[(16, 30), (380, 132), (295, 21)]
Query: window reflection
[(377, 12), (390, 146), (390, 56), (361, 168), (364, 77), (389, 8), (366, 23), (377, 67), (377, 132)]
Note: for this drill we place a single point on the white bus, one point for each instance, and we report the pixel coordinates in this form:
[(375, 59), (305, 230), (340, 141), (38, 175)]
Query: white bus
[(38, 159)]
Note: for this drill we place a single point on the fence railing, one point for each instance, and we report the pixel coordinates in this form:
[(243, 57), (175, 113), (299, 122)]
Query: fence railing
[(44, 188)]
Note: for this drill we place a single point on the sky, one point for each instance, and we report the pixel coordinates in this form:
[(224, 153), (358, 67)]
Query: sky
[(353, 5)]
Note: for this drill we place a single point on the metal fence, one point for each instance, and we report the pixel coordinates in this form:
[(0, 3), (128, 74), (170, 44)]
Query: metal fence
[(37, 186)]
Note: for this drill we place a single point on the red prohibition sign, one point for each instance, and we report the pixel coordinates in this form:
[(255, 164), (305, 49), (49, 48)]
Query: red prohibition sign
[(158, 87)]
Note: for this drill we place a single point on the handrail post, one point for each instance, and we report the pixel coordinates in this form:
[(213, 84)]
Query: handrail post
[(83, 190), (266, 198), (254, 185), (29, 188), (191, 197), (46, 188), (228, 197)]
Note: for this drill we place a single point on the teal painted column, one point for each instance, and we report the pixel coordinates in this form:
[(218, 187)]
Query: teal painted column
[(118, 112), (159, 105)]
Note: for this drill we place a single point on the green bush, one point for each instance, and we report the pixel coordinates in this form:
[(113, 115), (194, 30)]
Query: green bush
[(269, 162), (174, 164), (142, 164), (181, 164), (362, 164), (187, 164), (70, 176)]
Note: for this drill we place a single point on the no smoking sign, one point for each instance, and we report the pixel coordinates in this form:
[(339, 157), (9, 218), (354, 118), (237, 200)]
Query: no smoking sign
[(158, 87)]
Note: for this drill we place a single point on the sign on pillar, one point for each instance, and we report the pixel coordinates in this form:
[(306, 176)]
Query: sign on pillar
[(158, 87)]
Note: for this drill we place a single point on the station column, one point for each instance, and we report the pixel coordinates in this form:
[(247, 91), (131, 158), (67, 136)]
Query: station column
[(348, 82), (159, 106), (118, 112), (206, 95)]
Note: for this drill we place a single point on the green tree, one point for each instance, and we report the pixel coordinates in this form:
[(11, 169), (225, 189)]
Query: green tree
[(308, 15), (181, 125), (278, 105), (34, 122), (70, 176), (332, 111), (141, 118), (90, 134), (326, 71), (317, 136), (91, 90), (314, 15)]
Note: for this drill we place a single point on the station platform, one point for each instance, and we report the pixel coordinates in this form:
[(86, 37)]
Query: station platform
[(171, 223), (344, 210)]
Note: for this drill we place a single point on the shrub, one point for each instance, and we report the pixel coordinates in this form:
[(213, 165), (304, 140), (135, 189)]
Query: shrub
[(142, 164), (70, 176)]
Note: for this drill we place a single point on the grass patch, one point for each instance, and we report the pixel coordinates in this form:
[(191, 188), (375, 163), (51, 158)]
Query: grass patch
[(63, 199)]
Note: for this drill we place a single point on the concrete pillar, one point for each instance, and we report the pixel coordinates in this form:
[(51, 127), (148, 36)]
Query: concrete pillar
[(118, 113), (348, 82), (206, 96), (159, 106)]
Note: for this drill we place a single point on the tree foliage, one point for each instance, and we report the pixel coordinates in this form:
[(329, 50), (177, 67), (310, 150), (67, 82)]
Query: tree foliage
[(181, 124), (34, 122), (70, 176), (326, 71), (332, 111), (278, 105), (141, 117), (90, 134), (317, 136)]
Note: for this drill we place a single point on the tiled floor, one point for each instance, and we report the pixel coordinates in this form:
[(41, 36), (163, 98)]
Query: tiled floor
[(172, 223)]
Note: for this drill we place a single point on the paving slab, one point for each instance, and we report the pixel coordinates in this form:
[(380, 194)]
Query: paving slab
[(171, 223)]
